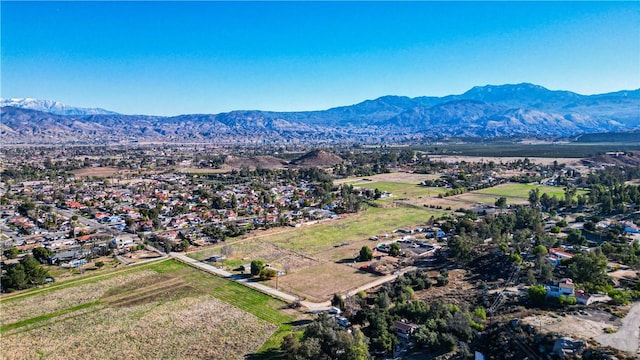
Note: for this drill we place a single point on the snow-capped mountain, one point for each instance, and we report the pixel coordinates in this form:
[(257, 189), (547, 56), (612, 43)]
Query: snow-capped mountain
[(53, 107)]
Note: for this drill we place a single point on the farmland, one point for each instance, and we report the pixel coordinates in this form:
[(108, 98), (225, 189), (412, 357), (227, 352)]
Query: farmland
[(159, 310), (371, 221), (318, 258)]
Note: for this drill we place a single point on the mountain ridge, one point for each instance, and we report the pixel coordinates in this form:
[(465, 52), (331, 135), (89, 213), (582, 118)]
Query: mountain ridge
[(52, 106), (483, 111)]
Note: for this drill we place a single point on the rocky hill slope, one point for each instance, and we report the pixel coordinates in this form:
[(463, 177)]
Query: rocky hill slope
[(480, 112)]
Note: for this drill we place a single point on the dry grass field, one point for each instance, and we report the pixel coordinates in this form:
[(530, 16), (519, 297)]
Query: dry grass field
[(315, 257), (318, 283), (397, 177), (153, 311), (96, 171)]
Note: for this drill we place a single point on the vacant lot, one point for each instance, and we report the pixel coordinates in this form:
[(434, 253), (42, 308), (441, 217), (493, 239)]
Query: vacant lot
[(96, 171), (515, 193), (397, 177), (318, 283), (318, 258), (522, 190), (160, 310), (370, 222), (405, 191)]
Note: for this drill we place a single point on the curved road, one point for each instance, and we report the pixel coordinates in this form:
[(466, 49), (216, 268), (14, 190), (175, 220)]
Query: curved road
[(312, 306)]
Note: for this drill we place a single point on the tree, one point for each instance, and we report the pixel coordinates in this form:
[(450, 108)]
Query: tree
[(394, 250), (27, 273), (501, 203), (537, 294), (256, 267), (534, 197), (42, 254), (365, 254), (589, 269), (575, 237), (338, 302), (461, 246), (12, 252)]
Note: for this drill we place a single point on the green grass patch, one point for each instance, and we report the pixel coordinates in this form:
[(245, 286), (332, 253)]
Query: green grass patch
[(232, 264), (46, 317), (80, 280), (369, 222), (401, 190), (262, 306), (271, 348), (522, 190)]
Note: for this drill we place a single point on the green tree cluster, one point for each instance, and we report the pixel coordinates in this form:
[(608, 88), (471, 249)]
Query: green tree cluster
[(324, 339), (25, 274)]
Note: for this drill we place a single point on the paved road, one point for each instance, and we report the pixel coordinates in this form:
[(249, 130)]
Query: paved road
[(627, 338)]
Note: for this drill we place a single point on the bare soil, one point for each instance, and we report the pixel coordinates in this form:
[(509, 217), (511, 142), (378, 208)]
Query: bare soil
[(96, 171)]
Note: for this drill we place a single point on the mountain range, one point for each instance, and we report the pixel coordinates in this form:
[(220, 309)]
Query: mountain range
[(483, 111)]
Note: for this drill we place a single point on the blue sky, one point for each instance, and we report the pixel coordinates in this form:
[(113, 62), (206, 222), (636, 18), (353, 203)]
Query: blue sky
[(170, 58)]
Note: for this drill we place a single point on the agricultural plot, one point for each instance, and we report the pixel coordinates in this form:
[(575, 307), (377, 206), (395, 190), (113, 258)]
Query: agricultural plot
[(96, 171), (318, 258), (404, 191), (397, 177), (515, 194), (159, 310), (370, 222), (521, 190), (318, 283)]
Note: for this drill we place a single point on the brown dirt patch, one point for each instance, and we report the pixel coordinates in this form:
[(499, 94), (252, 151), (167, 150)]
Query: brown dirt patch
[(318, 283), (399, 177), (96, 171)]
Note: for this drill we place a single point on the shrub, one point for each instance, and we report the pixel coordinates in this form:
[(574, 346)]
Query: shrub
[(266, 274)]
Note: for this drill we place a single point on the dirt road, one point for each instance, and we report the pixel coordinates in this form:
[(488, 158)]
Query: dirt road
[(627, 338)]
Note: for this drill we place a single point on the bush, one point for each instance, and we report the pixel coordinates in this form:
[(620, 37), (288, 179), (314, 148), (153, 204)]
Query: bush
[(99, 264), (537, 294), (365, 254), (620, 297), (266, 274)]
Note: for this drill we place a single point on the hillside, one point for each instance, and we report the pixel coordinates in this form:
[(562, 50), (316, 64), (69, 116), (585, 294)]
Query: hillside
[(488, 111), (317, 158)]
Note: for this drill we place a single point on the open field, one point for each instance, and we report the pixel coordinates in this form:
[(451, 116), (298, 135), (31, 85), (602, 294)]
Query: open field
[(503, 159), (158, 310), (410, 191), (591, 325), (318, 283), (96, 171), (516, 194), (314, 257), (522, 190), (369, 222), (397, 177)]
